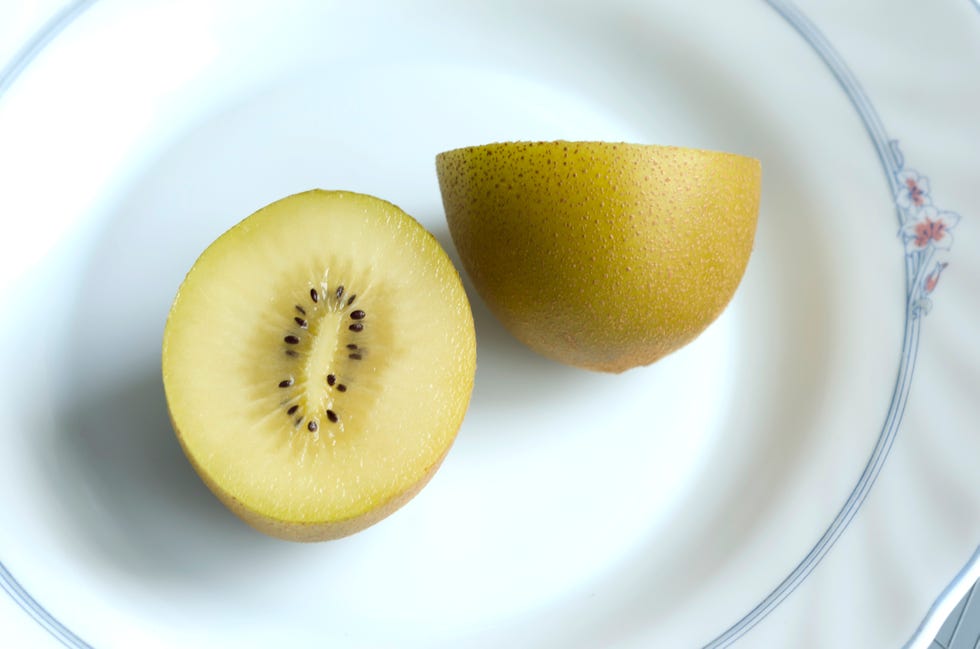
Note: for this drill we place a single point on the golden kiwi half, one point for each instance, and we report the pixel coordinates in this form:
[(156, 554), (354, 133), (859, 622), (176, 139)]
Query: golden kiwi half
[(317, 361), (601, 255)]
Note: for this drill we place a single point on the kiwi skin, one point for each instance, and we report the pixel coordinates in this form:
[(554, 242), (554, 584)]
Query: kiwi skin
[(600, 255), (308, 532)]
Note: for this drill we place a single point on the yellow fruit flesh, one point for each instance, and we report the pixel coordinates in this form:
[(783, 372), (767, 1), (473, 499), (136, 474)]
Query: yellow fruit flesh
[(397, 407), (600, 255)]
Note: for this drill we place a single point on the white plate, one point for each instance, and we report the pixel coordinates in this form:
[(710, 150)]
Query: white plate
[(804, 474)]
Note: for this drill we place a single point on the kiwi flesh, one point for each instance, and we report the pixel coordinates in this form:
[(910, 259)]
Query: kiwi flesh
[(601, 255), (318, 360)]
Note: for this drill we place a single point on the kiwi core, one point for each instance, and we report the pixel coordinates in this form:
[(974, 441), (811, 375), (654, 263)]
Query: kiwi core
[(325, 343)]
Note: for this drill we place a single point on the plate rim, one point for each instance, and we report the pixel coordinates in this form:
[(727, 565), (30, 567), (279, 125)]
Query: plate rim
[(923, 266)]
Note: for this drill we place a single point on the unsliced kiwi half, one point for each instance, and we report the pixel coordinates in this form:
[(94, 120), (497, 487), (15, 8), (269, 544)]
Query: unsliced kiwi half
[(602, 255), (318, 361)]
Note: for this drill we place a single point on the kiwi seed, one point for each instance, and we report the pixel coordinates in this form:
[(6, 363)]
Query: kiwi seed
[(307, 319)]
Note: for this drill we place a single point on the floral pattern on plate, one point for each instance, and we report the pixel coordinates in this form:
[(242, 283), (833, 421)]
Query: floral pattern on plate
[(927, 232)]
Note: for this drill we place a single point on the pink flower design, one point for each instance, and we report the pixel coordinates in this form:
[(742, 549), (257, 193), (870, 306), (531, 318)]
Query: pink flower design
[(930, 228), (929, 283), (913, 190)]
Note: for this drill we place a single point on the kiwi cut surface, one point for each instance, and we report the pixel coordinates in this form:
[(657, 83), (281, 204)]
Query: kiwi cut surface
[(317, 361)]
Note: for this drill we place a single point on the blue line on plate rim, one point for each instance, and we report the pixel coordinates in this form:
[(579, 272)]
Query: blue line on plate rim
[(892, 162), (47, 33), (40, 40), (916, 261), (20, 595)]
